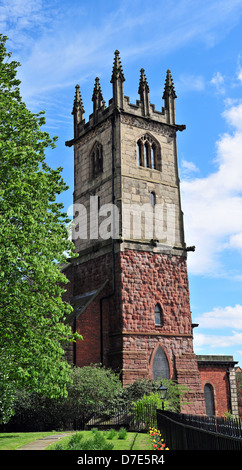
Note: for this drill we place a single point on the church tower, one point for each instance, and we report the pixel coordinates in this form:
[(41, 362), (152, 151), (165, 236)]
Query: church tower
[(129, 285)]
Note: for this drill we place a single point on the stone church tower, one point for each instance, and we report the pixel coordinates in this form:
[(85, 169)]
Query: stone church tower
[(129, 284)]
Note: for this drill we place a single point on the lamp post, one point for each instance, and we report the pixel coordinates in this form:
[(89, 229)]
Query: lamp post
[(162, 391)]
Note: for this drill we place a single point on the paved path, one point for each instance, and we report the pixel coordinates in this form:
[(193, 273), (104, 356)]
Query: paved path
[(41, 444)]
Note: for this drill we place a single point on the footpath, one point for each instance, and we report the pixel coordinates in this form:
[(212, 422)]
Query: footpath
[(41, 444)]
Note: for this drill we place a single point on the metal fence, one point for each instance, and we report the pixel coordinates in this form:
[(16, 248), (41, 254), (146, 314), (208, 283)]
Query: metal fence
[(130, 417), (189, 432)]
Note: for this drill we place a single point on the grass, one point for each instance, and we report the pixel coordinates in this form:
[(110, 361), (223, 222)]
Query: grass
[(121, 440), (131, 441), (14, 440)]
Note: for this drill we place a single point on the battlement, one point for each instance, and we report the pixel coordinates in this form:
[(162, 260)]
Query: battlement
[(121, 103)]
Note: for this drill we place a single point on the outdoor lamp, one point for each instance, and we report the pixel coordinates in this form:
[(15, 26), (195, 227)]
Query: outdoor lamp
[(162, 391)]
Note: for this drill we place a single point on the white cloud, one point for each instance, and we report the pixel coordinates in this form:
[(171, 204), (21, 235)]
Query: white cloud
[(218, 81), (60, 40), (188, 169), (221, 317), (214, 342), (213, 204), (240, 75), (234, 116), (188, 82), (235, 241)]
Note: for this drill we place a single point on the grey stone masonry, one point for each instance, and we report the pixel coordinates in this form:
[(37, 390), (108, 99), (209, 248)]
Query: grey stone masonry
[(136, 159)]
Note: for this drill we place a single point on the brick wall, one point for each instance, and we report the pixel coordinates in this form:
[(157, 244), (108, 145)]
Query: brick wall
[(217, 376)]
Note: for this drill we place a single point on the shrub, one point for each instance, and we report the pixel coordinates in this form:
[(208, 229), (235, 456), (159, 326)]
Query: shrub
[(34, 412), (145, 409), (76, 442), (110, 435), (122, 433)]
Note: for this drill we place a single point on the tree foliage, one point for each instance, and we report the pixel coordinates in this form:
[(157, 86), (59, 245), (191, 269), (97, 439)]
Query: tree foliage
[(93, 388), (34, 242)]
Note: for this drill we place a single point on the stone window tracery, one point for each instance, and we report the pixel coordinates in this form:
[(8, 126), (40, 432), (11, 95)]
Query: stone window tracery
[(148, 152)]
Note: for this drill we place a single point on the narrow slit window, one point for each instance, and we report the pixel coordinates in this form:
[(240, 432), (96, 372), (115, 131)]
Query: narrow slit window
[(158, 315), (152, 198)]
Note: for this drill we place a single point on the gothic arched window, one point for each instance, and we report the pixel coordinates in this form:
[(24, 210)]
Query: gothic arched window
[(160, 367), (209, 399), (148, 152), (158, 315), (96, 160)]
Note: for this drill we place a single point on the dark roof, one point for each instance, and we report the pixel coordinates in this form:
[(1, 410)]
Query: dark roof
[(81, 302)]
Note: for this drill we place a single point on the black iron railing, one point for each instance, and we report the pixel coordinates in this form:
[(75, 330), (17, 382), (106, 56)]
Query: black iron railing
[(190, 432), (128, 416)]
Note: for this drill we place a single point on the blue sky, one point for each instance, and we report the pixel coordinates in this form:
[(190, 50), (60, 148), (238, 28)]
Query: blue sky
[(61, 43)]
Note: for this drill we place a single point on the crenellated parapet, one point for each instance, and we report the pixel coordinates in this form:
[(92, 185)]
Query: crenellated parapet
[(121, 103)]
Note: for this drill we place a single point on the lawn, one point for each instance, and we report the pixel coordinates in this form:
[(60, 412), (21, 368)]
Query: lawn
[(133, 441), (14, 440)]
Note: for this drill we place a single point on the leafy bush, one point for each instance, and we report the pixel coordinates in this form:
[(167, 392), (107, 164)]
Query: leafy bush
[(145, 409), (93, 387), (175, 395), (111, 433), (76, 442), (137, 390), (122, 433)]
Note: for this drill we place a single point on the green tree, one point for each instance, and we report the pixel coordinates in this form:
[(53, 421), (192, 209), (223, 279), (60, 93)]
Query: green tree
[(93, 388), (33, 245)]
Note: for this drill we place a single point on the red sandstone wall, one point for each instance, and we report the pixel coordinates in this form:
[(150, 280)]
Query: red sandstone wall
[(130, 336), (147, 279)]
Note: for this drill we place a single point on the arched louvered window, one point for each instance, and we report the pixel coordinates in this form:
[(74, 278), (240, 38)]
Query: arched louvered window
[(161, 368), (148, 152), (96, 160), (158, 315), (209, 400)]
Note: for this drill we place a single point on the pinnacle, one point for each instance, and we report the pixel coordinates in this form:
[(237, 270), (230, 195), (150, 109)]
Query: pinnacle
[(169, 85), (117, 68), (97, 93), (143, 84), (97, 89), (78, 104)]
